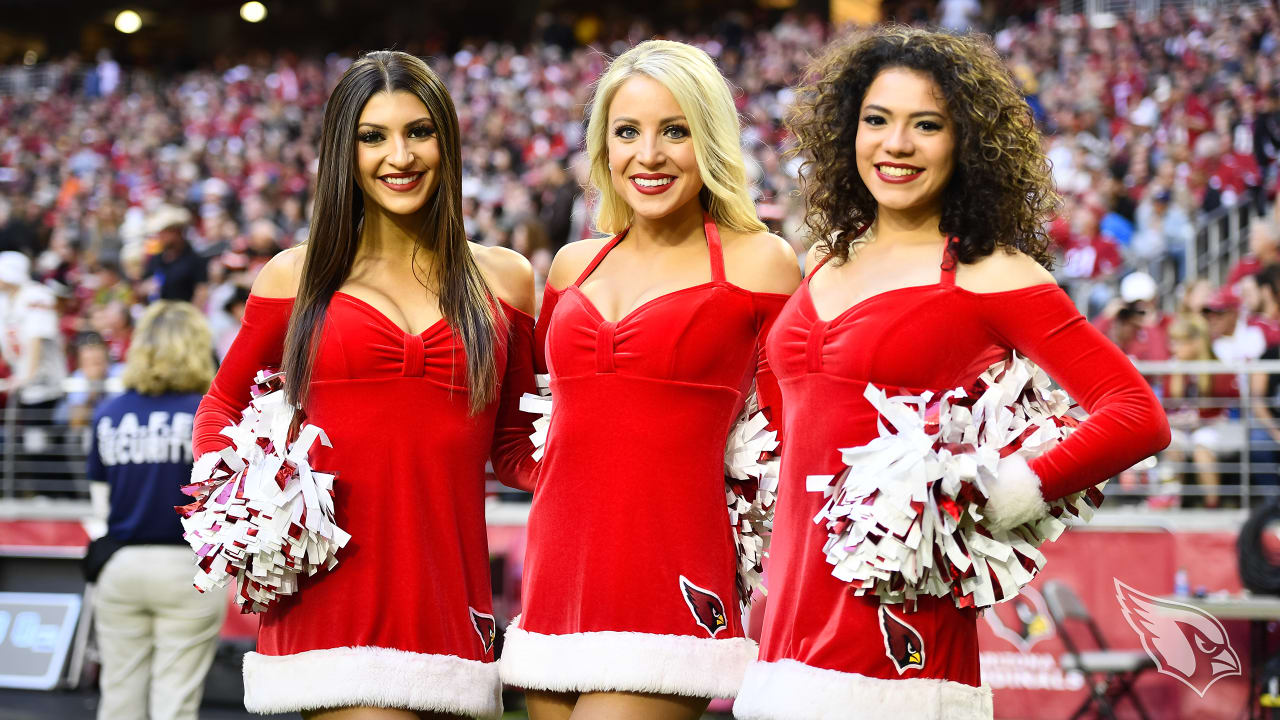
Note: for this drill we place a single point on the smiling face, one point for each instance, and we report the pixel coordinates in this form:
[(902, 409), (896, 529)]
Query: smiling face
[(650, 151), (397, 153), (905, 145)]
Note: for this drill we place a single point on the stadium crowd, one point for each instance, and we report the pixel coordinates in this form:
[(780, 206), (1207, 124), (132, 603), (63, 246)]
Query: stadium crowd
[(119, 186)]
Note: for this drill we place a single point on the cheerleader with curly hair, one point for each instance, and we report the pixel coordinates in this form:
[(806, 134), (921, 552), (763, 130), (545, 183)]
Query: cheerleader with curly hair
[(928, 192)]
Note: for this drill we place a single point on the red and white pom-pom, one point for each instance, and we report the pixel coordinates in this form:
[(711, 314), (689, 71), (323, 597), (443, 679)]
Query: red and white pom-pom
[(751, 486), (914, 511), (539, 404), (262, 516)]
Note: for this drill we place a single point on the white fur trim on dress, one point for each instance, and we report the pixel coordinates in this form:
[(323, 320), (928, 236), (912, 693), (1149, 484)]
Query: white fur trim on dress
[(1014, 498), (790, 690), (372, 676), (625, 661)]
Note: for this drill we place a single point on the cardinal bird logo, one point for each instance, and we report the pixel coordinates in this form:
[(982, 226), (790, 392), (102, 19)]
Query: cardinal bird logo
[(1187, 643), (705, 605), (902, 643), (485, 627), (1023, 621)]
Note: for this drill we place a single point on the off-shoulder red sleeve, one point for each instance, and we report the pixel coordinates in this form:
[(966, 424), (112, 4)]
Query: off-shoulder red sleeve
[(1126, 422), (768, 394), (258, 345), (512, 449)]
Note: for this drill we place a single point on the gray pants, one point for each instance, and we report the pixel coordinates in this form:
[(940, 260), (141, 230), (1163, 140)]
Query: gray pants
[(157, 634)]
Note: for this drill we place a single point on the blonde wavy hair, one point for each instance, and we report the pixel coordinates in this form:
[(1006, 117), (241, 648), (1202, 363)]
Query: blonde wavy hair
[(704, 96), (171, 351)]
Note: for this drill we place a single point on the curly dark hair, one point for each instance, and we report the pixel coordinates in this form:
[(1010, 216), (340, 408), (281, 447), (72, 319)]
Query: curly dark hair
[(1000, 192)]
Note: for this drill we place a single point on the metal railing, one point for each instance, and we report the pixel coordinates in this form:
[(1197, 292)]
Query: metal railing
[(43, 448), (1237, 470), (44, 457), (1142, 8)]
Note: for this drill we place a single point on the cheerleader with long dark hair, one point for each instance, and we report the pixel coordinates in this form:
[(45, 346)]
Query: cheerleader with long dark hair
[(409, 346)]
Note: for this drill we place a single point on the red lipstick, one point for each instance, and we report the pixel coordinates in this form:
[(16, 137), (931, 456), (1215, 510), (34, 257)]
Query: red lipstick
[(898, 179), (401, 187), (652, 189)]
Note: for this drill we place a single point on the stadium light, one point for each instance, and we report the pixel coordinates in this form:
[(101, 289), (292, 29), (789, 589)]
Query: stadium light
[(128, 22), (253, 11)]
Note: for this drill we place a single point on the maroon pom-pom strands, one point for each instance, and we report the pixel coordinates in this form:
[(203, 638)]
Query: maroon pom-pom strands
[(912, 513), (262, 515), (751, 468)]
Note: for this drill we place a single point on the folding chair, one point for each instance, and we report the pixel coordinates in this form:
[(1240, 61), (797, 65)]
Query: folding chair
[(1109, 674)]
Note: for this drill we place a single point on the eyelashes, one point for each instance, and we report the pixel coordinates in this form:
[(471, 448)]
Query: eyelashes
[(674, 131), (417, 132), (926, 125)]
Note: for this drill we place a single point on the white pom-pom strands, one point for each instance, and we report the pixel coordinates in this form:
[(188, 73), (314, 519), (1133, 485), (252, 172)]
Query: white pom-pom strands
[(540, 405), (939, 504), (751, 468), (262, 515)]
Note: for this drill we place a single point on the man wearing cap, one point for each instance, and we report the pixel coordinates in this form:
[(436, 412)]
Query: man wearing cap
[(32, 347), (175, 271), (1132, 321), (1232, 338)]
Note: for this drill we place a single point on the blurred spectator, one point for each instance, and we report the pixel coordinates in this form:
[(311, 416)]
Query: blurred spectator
[(1200, 422), (31, 343), (228, 321), (156, 633), (1264, 249), (1132, 320), (1163, 230), (113, 323), (88, 383), (17, 227), (557, 197), (175, 271), (1231, 337), (1264, 436)]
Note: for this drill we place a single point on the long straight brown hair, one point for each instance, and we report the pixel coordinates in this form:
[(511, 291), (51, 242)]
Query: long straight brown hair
[(465, 299)]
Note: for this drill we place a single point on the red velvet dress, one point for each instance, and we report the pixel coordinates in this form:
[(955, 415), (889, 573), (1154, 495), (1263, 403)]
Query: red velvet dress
[(405, 618), (826, 653), (629, 576)]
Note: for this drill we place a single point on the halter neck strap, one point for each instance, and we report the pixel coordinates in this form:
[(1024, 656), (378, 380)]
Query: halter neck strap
[(714, 248)]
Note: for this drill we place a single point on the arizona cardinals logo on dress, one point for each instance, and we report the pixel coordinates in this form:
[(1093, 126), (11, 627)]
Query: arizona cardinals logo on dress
[(1187, 643), (902, 643), (705, 605), (485, 627)]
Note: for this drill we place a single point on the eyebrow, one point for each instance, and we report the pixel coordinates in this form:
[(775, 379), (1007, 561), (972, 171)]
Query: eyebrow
[(917, 113), (376, 126), (663, 121)]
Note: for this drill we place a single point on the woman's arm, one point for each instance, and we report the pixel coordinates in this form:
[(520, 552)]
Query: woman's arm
[(258, 345), (510, 276), (1126, 422)]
